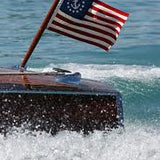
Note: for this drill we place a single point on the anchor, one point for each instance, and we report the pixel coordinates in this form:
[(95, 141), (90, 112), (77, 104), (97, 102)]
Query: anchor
[(75, 4)]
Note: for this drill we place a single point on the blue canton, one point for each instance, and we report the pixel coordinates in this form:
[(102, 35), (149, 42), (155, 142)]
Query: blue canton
[(76, 8)]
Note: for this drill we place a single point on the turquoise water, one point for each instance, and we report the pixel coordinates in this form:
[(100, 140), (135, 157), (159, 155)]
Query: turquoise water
[(132, 67)]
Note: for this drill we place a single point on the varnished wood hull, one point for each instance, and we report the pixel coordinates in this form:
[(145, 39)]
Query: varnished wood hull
[(39, 102)]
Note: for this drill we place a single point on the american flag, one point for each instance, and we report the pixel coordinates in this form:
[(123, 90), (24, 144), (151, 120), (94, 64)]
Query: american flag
[(90, 21)]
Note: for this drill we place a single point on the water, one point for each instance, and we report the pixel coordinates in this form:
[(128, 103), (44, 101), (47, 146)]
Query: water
[(132, 67)]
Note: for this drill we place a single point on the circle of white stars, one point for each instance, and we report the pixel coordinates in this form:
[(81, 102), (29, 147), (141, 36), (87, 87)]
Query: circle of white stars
[(79, 9)]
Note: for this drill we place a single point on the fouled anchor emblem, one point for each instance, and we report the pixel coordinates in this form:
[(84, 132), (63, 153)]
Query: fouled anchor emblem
[(75, 4)]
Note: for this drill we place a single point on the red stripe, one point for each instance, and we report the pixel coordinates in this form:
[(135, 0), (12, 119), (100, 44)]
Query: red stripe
[(78, 38), (83, 33), (104, 25), (104, 20), (108, 14), (86, 26), (111, 8)]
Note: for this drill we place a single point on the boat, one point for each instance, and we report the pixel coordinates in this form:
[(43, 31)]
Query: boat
[(57, 101), (61, 100)]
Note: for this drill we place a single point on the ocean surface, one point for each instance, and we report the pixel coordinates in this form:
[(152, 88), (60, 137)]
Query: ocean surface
[(132, 67)]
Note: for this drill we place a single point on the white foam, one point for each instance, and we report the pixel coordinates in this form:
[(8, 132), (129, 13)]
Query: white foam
[(137, 142), (103, 72)]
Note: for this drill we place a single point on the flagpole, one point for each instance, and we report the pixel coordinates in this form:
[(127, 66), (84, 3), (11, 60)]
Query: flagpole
[(39, 34)]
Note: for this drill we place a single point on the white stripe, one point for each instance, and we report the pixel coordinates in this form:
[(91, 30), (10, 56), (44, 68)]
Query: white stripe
[(80, 36), (88, 23), (55, 12), (109, 10), (105, 16), (102, 22), (85, 30)]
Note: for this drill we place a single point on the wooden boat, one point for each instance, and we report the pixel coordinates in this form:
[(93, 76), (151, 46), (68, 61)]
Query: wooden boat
[(57, 101)]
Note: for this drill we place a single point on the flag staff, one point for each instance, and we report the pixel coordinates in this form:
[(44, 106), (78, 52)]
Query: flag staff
[(39, 34)]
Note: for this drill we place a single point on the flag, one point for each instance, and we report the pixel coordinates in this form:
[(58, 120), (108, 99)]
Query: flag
[(90, 21)]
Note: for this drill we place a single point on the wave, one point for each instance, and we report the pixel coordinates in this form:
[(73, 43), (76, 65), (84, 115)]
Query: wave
[(102, 72), (136, 142)]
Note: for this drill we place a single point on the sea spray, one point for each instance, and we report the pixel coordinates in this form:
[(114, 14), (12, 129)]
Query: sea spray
[(136, 142)]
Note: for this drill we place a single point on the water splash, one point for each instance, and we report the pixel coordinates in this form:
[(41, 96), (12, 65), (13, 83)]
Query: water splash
[(136, 142)]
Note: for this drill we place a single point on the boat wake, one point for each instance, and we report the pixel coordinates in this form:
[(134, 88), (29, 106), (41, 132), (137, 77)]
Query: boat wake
[(136, 142), (105, 72)]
